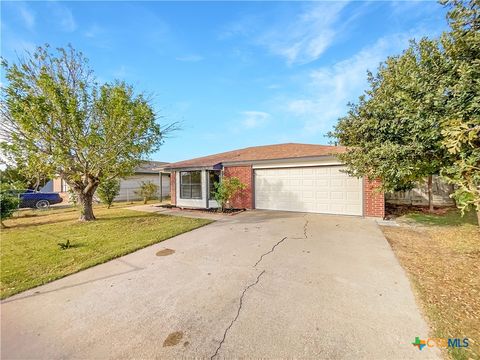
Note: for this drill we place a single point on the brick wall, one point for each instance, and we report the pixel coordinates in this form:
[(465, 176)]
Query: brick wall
[(243, 200), (173, 184), (374, 201)]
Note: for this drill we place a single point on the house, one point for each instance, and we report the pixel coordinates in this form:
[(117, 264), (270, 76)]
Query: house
[(290, 177), (146, 171)]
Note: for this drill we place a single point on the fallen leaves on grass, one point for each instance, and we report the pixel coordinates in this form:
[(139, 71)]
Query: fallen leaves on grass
[(444, 266)]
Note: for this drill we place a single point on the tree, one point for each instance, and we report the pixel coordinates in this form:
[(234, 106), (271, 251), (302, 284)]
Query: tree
[(108, 191), (461, 127), (15, 177), (56, 118), (393, 133), (147, 191), (226, 189), (8, 205)]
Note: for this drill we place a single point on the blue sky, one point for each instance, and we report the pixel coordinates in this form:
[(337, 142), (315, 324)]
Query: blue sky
[(235, 74)]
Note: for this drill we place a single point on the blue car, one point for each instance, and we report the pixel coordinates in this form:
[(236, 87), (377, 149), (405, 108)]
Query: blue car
[(35, 200)]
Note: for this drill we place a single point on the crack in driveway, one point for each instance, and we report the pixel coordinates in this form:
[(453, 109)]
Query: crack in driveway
[(238, 314), (305, 228), (269, 252), (251, 285)]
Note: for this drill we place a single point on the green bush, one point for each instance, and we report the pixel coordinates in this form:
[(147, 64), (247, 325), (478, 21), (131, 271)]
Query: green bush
[(147, 191), (108, 190), (8, 205), (226, 190)]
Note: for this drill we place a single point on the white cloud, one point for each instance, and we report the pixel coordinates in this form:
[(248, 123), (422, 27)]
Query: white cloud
[(190, 58), (243, 27), (300, 38), (307, 37), (254, 119), (93, 31), (27, 16), (330, 88), (64, 16)]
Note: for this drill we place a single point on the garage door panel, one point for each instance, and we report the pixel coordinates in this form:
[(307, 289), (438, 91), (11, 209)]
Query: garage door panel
[(324, 189), (353, 196)]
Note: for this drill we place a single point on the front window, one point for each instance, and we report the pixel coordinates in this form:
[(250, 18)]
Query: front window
[(190, 185), (213, 177)]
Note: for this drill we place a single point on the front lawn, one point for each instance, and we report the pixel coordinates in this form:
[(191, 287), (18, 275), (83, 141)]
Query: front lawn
[(31, 256), (441, 254)]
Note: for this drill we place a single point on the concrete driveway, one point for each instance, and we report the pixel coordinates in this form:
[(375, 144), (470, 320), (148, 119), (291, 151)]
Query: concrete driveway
[(256, 285)]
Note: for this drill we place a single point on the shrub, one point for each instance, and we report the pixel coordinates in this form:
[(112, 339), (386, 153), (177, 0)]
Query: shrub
[(226, 190), (108, 190), (8, 205), (72, 197), (147, 191)]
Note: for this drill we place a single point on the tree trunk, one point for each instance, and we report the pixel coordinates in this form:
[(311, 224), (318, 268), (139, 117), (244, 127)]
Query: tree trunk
[(430, 195), (86, 203), (478, 217), (145, 199)]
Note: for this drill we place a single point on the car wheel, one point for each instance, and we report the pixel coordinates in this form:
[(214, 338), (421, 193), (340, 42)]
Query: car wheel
[(42, 204)]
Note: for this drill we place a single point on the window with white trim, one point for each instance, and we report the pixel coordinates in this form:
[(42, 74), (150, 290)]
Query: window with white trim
[(190, 185)]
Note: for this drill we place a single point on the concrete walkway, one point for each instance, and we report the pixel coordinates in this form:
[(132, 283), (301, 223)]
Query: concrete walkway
[(156, 208), (256, 285)]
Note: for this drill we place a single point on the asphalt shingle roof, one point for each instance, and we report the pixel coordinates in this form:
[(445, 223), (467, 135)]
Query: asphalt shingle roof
[(266, 152)]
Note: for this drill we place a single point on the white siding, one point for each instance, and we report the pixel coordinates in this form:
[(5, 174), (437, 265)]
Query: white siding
[(321, 189), (130, 185)]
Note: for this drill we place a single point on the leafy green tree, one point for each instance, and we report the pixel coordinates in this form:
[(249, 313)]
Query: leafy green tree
[(147, 191), (14, 177), (393, 133), (11, 177), (461, 127), (226, 189), (56, 118), (108, 190), (8, 205)]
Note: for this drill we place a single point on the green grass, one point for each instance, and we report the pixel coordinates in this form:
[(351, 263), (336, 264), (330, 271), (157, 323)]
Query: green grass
[(31, 256), (451, 217)]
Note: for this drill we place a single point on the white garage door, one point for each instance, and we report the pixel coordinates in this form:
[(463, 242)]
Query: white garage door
[(323, 189)]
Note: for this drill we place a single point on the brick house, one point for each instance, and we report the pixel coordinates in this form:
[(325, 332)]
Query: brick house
[(289, 177)]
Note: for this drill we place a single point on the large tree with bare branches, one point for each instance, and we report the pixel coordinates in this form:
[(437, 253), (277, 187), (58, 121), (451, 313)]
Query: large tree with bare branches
[(56, 120)]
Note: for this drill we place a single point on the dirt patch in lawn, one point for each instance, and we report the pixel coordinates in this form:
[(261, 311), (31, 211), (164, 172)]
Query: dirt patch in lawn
[(443, 263)]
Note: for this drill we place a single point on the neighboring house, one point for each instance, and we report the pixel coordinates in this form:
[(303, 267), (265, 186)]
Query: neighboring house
[(291, 177), (147, 171)]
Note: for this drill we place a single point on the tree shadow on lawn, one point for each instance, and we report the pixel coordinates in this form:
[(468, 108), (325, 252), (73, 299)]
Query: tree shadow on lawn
[(140, 216), (99, 219), (39, 223)]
